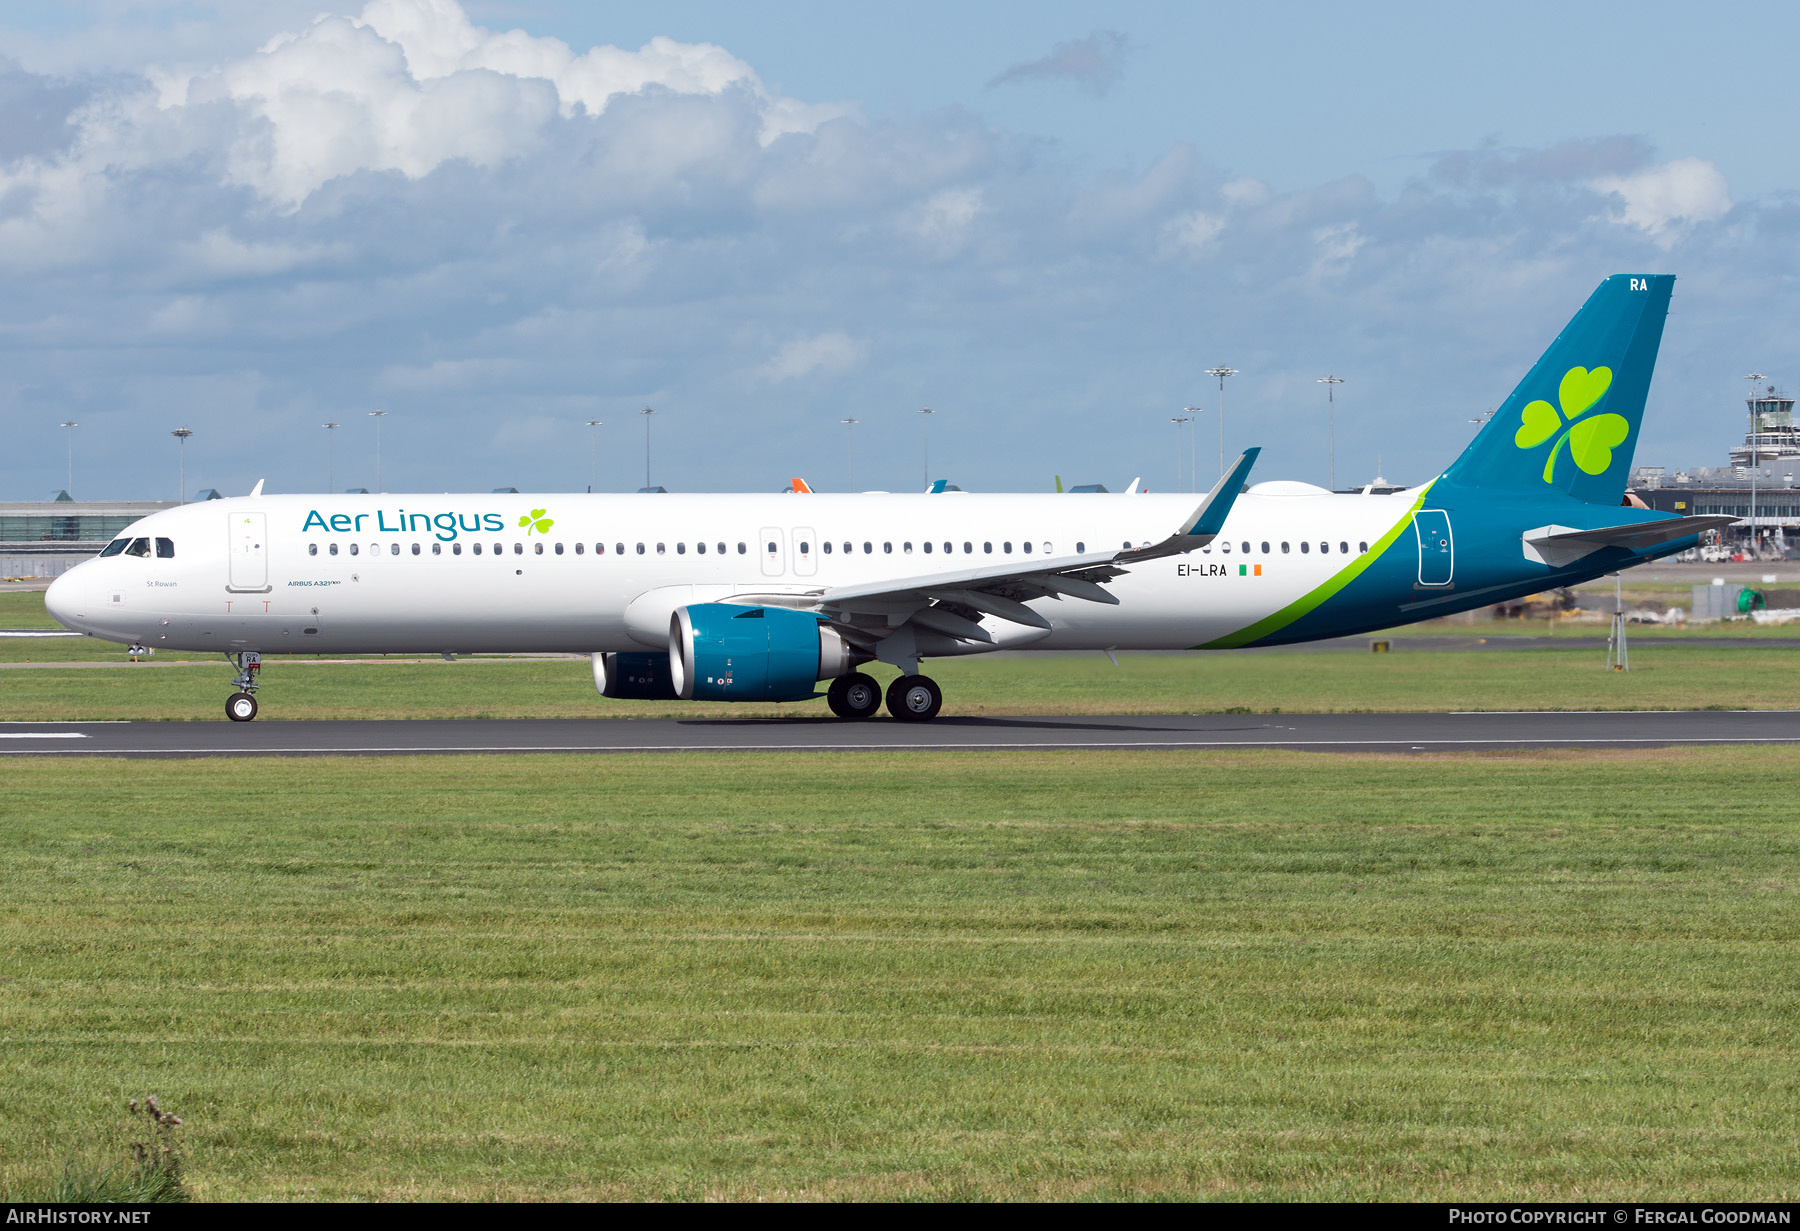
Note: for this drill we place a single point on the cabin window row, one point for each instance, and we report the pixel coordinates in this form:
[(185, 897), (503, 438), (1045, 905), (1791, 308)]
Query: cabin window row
[(681, 549), (518, 549), (1305, 548), (928, 547)]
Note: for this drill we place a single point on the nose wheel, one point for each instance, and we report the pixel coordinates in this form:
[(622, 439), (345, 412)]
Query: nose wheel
[(914, 698), (241, 706)]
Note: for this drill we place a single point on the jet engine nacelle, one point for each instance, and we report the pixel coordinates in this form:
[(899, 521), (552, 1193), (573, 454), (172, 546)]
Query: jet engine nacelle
[(721, 652)]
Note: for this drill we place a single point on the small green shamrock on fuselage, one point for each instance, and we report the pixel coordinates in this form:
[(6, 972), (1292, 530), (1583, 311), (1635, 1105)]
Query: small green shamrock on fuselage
[(1592, 440), (535, 520)]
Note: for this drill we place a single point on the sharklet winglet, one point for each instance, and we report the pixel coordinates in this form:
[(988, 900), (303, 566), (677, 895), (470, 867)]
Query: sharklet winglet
[(1204, 524)]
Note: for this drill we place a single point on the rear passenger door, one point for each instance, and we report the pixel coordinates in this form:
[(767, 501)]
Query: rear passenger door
[(1437, 553)]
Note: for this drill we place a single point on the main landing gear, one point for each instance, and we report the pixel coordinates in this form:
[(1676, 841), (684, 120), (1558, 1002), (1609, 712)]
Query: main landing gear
[(241, 707), (854, 696), (911, 698), (915, 698)]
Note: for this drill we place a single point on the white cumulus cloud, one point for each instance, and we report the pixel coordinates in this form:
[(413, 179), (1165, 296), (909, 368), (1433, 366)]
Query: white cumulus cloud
[(827, 352), (409, 85), (1658, 198), (943, 221), (1192, 232)]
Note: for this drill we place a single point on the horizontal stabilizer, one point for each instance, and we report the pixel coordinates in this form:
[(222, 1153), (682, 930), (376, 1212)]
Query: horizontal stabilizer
[(1560, 545)]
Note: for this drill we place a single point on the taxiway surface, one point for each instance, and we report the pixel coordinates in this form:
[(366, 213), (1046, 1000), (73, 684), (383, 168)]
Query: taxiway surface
[(1318, 732)]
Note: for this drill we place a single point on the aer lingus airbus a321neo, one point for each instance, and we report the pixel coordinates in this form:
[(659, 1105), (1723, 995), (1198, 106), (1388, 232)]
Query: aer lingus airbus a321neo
[(763, 597)]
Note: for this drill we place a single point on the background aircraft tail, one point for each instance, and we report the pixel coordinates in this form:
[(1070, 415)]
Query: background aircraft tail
[(1572, 424)]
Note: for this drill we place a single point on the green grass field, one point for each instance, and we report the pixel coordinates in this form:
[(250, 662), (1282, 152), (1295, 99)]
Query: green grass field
[(1663, 677), (1243, 975), (1666, 675)]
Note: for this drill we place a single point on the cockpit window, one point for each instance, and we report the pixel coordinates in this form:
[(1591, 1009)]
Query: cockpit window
[(165, 549), (139, 547), (114, 548)]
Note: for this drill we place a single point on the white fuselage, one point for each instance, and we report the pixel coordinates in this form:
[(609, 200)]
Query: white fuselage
[(393, 573)]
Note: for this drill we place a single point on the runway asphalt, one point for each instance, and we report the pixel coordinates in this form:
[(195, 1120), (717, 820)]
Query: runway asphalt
[(1316, 732)]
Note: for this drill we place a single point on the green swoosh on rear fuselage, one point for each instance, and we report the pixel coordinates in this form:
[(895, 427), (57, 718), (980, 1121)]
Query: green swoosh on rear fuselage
[(1311, 600)]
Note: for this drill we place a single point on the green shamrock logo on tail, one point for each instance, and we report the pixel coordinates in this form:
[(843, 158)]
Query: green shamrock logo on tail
[(535, 520), (1591, 440)]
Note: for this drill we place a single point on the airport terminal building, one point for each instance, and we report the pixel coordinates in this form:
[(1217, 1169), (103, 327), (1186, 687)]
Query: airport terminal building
[(46, 538), (1762, 472)]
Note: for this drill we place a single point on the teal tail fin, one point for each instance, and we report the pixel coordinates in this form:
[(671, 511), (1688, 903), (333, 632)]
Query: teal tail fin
[(1572, 424)]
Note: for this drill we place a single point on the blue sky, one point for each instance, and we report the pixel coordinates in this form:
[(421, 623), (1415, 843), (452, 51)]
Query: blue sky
[(1044, 221)]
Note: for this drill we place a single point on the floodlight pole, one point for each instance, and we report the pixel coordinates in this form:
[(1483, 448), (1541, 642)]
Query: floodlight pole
[(849, 454), (1221, 372), (1755, 463), (378, 416), (925, 420), (1178, 420), (1331, 383), (646, 412), (594, 469), (1193, 414), (181, 434), (71, 425), (330, 456)]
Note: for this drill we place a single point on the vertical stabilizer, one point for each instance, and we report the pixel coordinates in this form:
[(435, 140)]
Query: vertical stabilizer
[(1572, 424)]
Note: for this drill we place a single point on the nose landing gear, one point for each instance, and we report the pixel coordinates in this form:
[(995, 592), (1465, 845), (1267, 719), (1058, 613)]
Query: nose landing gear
[(241, 706)]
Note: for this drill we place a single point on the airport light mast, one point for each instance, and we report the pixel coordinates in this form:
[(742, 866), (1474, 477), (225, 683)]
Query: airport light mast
[(330, 456), (1193, 413), (646, 412), (71, 425), (1221, 372), (849, 454), (925, 420), (1755, 464), (1331, 383), (1178, 420), (181, 434), (594, 469), (378, 416)]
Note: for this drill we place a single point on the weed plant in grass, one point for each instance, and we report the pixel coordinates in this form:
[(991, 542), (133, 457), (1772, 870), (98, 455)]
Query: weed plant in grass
[(1259, 974), (143, 1170), (1663, 677)]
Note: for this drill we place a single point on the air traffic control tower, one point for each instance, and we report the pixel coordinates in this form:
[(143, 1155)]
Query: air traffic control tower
[(1773, 440)]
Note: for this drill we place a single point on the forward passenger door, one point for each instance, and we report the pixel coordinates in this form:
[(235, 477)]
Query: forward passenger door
[(249, 553)]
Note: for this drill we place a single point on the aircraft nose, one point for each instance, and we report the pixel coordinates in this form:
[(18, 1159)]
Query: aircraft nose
[(63, 600)]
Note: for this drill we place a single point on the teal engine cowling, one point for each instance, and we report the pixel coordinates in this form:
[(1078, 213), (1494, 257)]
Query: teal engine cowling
[(720, 652)]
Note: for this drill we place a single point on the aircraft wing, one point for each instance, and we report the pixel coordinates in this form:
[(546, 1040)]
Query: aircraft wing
[(952, 602)]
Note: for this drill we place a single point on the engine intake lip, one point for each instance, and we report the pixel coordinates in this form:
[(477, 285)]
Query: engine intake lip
[(681, 653)]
